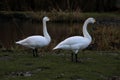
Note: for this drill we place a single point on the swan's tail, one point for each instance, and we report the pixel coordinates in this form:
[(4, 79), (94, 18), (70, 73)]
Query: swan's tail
[(57, 47), (60, 46), (19, 42)]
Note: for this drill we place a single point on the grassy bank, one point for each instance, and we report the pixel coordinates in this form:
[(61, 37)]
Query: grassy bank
[(20, 65)]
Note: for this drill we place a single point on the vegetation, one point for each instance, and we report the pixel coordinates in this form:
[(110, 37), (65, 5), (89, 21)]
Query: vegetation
[(59, 16), (106, 31), (19, 64), (56, 65), (59, 5)]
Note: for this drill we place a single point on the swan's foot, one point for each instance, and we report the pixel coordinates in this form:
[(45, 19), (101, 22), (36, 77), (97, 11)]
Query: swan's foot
[(35, 52), (76, 60), (72, 57), (79, 61)]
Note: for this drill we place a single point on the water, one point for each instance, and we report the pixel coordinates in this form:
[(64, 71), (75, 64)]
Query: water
[(13, 30)]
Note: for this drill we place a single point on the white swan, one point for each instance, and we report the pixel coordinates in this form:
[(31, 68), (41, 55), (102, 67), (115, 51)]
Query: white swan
[(37, 41), (76, 43)]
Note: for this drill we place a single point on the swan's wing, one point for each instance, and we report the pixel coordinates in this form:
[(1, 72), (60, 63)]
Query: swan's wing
[(73, 42), (33, 41)]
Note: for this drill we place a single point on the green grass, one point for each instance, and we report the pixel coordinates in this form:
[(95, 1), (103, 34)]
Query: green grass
[(53, 66)]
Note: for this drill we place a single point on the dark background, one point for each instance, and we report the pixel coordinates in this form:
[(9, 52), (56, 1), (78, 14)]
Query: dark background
[(60, 5)]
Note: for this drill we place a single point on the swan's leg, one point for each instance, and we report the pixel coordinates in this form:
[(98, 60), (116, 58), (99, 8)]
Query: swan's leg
[(76, 58), (36, 52), (71, 56)]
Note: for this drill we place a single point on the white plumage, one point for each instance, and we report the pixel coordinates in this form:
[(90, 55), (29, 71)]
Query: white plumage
[(37, 41), (76, 43)]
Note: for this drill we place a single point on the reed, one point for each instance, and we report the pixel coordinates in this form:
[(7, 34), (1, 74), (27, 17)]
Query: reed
[(106, 38)]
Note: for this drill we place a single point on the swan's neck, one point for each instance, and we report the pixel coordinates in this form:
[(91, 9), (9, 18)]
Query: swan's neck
[(45, 33), (85, 32)]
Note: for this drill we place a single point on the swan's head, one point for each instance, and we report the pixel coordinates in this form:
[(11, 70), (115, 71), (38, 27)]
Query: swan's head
[(91, 20), (46, 19)]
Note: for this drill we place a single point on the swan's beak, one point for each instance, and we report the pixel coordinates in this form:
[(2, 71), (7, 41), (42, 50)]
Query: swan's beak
[(48, 19)]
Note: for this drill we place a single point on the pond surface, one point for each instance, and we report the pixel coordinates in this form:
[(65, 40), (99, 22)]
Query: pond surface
[(14, 30)]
